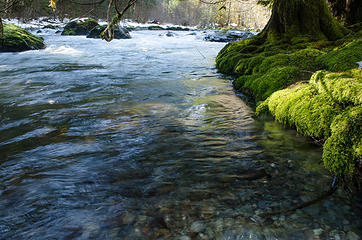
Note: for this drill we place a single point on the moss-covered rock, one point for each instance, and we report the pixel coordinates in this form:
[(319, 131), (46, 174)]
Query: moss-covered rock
[(329, 107), (79, 27), (342, 58), (17, 39), (119, 33)]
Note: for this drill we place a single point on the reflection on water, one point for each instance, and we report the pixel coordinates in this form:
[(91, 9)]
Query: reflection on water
[(142, 139)]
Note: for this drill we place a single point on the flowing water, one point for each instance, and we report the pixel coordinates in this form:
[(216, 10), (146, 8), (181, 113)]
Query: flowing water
[(143, 139)]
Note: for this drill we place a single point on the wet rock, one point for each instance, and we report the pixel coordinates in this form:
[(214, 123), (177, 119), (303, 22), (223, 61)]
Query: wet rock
[(128, 218), (352, 236), (230, 35), (177, 28), (49, 26), (317, 231), (184, 238), (79, 27), (155, 27), (247, 210), (170, 34), (208, 212), (163, 232), (197, 227), (119, 33), (17, 39)]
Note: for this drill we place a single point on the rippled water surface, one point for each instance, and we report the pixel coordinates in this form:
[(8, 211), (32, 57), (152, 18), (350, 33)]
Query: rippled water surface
[(143, 139)]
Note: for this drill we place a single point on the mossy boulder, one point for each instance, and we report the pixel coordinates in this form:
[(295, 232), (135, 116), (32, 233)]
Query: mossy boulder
[(155, 27), (17, 39), (342, 58), (79, 27), (329, 107), (119, 33)]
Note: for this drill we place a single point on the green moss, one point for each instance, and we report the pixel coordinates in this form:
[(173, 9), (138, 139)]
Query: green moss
[(80, 27), (343, 88), (343, 58), (329, 108), (342, 150), (310, 83), (17, 39), (301, 107)]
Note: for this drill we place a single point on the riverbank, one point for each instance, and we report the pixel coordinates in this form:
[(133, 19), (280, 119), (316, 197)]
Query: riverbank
[(314, 87)]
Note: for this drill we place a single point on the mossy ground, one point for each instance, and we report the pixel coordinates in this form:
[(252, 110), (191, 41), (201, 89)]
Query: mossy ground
[(17, 39), (313, 86)]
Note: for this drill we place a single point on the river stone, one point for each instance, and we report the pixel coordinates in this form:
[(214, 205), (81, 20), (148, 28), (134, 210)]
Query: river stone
[(230, 35), (79, 27), (17, 39), (352, 236), (170, 34), (119, 33), (317, 231), (128, 218), (197, 227)]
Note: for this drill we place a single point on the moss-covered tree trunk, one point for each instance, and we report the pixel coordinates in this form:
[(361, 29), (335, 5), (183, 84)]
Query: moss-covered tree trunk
[(307, 18)]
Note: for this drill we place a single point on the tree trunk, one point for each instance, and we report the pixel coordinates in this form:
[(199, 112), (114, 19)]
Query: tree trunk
[(309, 19), (354, 12), (347, 11)]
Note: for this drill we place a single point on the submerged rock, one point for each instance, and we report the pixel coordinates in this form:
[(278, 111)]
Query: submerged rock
[(79, 27), (17, 39), (120, 33), (230, 35), (170, 34)]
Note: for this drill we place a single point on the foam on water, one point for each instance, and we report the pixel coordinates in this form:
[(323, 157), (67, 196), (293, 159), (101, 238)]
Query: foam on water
[(63, 50)]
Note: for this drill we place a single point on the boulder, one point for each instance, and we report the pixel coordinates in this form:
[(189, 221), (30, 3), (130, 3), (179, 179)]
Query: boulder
[(119, 33), (79, 27), (177, 28), (230, 35), (17, 39)]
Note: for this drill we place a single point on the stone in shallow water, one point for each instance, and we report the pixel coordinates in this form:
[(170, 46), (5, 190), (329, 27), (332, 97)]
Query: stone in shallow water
[(79, 27), (17, 39), (197, 227), (352, 236), (119, 33)]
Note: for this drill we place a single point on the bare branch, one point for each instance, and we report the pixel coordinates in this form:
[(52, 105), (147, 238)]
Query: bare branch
[(216, 2), (1, 29), (107, 34)]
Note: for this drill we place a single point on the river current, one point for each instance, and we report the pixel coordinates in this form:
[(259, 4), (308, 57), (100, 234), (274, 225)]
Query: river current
[(143, 139)]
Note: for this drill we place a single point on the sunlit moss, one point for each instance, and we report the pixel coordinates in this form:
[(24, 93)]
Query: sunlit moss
[(342, 150), (17, 39), (344, 88), (343, 58), (262, 86), (328, 107)]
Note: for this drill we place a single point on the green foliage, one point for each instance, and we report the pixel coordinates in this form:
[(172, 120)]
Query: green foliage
[(342, 58), (17, 39)]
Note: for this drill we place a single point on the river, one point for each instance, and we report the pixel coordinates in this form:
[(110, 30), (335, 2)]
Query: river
[(143, 139)]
